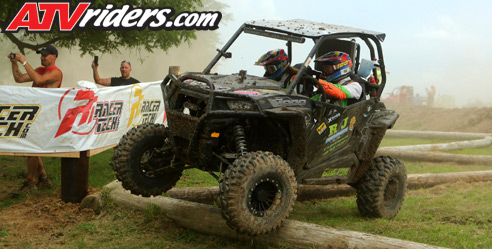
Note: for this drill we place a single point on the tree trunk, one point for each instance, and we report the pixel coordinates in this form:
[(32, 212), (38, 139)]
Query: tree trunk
[(207, 219)]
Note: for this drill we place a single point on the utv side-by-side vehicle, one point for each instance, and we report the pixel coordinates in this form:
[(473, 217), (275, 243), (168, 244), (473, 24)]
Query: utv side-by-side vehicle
[(260, 139)]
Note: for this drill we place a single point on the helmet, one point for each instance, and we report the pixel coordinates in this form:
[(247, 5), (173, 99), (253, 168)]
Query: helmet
[(336, 65), (275, 63)]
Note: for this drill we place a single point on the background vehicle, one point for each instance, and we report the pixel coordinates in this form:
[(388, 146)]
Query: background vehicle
[(402, 95), (260, 140)]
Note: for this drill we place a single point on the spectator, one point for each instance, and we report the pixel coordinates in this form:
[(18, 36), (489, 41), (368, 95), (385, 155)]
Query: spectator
[(125, 79), (430, 95), (336, 69), (403, 95), (46, 76)]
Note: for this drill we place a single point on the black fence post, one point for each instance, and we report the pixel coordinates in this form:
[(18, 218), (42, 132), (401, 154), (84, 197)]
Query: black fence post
[(74, 178)]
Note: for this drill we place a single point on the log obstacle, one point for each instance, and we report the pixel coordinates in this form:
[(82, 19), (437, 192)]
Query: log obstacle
[(436, 134), (421, 152), (436, 157), (310, 192), (207, 219), (486, 141)]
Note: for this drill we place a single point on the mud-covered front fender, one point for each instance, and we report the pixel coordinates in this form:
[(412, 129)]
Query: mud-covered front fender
[(384, 119)]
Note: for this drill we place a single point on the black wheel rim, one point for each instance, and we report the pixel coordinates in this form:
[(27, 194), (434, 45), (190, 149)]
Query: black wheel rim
[(390, 192), (262, 196), (154, 161)]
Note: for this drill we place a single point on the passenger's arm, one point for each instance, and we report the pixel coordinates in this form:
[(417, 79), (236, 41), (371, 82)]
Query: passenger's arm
[(351, 90)]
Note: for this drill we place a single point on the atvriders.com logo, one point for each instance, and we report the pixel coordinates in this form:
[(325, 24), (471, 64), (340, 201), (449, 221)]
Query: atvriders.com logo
[(40, 17)]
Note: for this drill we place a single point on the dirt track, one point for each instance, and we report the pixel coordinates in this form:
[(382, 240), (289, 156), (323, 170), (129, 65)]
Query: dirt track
[(423, 118), (40, 220)]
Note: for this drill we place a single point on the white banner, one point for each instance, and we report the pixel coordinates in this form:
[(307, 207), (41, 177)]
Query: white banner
[(42, 120)]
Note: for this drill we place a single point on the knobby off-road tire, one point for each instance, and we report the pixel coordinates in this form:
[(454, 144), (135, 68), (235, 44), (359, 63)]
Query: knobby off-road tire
[(257, 193), (142, 161), (380, 192)]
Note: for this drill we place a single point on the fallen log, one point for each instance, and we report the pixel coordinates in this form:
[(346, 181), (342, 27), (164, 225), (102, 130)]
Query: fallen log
[(197, 194), (310, 192), (305, 192), (483, 142), (207, 219), (94, 201), (433, 179), (435, 134), (420, 156)]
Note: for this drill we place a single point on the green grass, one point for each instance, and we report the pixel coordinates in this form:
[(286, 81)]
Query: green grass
[(3, 232), (428, 167), (196, 178), (441, 215), (100, 172), (126, 228), (13, 172)]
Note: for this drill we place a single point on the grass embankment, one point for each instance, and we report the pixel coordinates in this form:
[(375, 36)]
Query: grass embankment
[(457, 215)]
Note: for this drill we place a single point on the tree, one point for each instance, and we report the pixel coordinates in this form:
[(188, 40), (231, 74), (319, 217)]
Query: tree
[(91, 41)]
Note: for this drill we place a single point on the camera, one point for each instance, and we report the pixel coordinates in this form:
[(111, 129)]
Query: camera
[(12, 56)]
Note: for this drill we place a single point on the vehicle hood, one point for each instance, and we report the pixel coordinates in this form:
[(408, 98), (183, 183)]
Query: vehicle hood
[(235, 82)]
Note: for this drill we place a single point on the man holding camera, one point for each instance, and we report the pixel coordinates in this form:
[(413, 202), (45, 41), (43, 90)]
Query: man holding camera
[(125, 79), (46, 76)]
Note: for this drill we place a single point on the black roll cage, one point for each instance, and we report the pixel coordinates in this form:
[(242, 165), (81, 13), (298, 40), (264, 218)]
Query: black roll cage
[(290, 37)]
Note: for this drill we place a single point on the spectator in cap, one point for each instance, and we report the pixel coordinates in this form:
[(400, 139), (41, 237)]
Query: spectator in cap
[(125, 79), (46, 76)]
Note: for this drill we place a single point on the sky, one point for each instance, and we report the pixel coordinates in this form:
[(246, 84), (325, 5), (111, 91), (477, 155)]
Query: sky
[(441, 43)]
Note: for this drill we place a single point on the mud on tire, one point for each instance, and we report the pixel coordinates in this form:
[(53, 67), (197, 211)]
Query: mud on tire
[(257, 193), (142, 158), (380, 192)]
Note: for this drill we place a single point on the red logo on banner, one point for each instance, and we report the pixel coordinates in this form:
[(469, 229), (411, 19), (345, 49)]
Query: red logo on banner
[(82, 110), (89, 115)]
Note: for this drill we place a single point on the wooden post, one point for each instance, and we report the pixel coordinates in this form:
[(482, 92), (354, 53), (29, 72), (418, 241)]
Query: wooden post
[(74, 178)]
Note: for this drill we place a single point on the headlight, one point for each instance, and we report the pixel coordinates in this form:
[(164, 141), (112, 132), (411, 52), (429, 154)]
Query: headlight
[(241, 105)]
